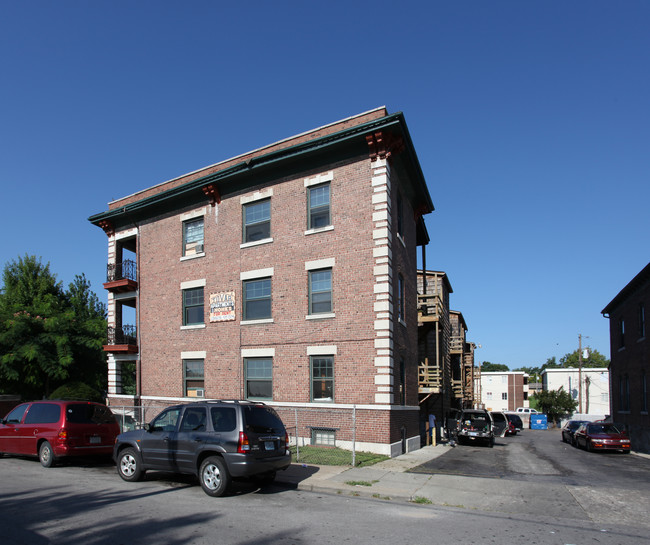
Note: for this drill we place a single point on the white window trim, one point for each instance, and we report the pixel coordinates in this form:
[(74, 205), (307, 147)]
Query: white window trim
[(320, 316), (327, 263), (259, 273), (189, 284), (256, 242), (261, 321), (193, 214), (188, 257), (319, 230), (319, 179), (330, 350), (258, 352), (257, 196), (194, 355), (193, 326)]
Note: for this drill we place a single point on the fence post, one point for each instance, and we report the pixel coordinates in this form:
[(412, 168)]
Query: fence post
[(354, 435), (297, 441)]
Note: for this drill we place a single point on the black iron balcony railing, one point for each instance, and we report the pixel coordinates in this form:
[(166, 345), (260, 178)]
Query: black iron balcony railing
[(127, 270), (127, 334)]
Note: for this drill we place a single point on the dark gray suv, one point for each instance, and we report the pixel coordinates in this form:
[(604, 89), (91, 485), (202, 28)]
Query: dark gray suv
[(475, 425), (214, 440)]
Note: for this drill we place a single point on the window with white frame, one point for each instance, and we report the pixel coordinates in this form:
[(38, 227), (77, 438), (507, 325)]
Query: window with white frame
[(318, 206), (504, 396), (320, 291), (258, 373), (193, 237), (257, 299), (193, 379), (257, 221), (193, 306), (322, 378)]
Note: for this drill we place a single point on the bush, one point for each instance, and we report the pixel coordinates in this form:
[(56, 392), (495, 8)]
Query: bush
[(77, 391)]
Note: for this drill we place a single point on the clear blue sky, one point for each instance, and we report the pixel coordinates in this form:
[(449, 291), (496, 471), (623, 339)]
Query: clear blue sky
[(531, 121)]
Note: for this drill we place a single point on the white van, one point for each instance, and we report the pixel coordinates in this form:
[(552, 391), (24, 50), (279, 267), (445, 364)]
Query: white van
[(527, 410)]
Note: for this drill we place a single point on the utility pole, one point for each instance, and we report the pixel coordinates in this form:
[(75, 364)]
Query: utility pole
[(580, 373)]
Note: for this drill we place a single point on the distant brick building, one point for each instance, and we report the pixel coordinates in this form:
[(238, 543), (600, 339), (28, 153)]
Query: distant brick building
[(287, 274), (504, 390), (630, 358)]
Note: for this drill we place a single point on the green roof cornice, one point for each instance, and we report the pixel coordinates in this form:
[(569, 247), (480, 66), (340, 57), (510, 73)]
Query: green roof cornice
[(393, 123)]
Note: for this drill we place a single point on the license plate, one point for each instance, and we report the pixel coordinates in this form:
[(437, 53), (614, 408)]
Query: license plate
[(95, 440), (269, 445)]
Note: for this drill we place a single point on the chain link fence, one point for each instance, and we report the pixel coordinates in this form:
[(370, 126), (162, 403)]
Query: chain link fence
[(321, 436), (317, 436)]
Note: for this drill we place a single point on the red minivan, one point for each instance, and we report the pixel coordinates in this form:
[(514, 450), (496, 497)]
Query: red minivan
[(54, 429)]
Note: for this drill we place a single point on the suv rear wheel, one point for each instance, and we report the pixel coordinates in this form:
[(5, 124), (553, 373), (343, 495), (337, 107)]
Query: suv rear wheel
[(214, 476), (128, 465)]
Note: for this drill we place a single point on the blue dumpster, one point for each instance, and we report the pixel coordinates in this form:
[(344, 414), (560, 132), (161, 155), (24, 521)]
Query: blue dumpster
[(538, 422)]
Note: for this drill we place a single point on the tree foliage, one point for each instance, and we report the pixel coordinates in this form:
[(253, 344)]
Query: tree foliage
[(488, 367), (554, 403), (570, 360), (593, 359), (48, 334)]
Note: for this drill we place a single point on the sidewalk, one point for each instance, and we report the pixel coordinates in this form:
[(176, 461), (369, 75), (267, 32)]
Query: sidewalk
[(390, 480), (387, 479)]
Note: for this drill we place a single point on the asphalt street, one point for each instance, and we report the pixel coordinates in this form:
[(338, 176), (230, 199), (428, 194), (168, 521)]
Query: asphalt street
[(528, 489)]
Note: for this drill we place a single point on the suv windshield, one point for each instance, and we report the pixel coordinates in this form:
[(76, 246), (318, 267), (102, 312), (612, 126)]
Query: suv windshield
[(262, 419)]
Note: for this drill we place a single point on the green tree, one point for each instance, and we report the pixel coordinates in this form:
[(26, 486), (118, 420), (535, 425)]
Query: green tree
[(554, 403), (87, 334), (551, 363), (593, 359), (488, 367), (47, 334)]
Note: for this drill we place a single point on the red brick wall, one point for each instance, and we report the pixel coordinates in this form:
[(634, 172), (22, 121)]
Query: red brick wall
[(350, 243), (632, 360)]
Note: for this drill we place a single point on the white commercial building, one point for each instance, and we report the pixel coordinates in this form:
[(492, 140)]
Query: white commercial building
[(592, 384)]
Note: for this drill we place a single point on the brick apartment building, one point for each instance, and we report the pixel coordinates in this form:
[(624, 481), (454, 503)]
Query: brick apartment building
[(630, 358), (504, 390), (287, 274)]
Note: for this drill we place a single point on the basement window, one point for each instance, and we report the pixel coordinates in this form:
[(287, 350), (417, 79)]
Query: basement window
[(323, 437)]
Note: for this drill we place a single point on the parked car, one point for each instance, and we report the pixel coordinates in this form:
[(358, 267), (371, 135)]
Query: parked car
[(500, 424), (569, 429), (602, 436), (475, 425), (515, 424), (527, 410), (214, 440), (56, 429)]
